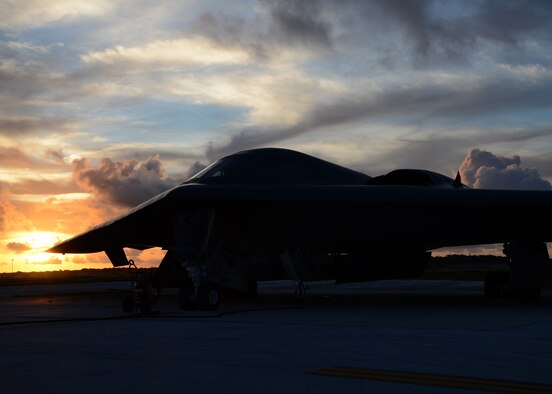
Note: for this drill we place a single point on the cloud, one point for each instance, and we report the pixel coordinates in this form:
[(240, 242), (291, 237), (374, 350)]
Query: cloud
[(10, 218), (34, 13), (10, 126), (194, 169), (443, 152), (51, 261), (41, 186), (13, 157), (485, 170), (91, 258), (2, 218), (17, 247), (429, 31), (425, 32), (56, 154), (435, 32), (509, 22), (298, 22), (234, 32), (28, 46), (173, 53), (419, 103), (280, 31), (125, 183), (542, 162)]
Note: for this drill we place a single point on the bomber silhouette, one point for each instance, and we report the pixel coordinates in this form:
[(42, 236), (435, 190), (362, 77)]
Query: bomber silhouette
[(267, 214)]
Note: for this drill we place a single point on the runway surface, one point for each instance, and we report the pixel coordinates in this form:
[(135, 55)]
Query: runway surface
[(379, 337)]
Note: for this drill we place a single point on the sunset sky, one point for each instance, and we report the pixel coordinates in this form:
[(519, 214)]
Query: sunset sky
[(106, 103)]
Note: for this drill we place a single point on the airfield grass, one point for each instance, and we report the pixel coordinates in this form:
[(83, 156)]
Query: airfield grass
[(453, 267)]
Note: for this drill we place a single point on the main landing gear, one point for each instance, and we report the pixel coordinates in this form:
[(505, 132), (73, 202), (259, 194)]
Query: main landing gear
[(205, 296), (530, 271)]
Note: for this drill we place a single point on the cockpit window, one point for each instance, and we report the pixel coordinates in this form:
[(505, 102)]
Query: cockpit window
[(278, 167)]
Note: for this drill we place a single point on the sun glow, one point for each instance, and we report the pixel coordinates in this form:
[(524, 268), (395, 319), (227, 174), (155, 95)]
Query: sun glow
[(39, 240), (28, 249)]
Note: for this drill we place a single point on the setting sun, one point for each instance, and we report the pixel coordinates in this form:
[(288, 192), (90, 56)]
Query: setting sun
[(27, 251), (39, 239)]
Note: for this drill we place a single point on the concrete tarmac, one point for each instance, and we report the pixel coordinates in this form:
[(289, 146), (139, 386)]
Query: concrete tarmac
[(375, 337)]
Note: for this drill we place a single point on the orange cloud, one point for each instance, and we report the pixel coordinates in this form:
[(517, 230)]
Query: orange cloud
[(10, 218), (13, 157), (42, 186), (17, 247), (54, 260)]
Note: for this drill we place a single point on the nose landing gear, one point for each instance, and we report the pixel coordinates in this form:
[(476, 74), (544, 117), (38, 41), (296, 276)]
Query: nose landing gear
[(143, 295)]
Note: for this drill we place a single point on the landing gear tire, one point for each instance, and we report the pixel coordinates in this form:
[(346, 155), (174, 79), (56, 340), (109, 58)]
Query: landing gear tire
[(208, 297)]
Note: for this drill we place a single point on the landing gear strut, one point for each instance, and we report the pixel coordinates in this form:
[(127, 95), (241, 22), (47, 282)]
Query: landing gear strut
[(142, 296)]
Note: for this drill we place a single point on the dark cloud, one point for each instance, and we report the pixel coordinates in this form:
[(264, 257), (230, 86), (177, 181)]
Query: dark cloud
[(430, 30), (57, 155), (285, 23), (433, 31), (233, 32), (298, 22), (17, 247), (450, 31), (485, 170), (411, 15), (125, 183), (510, 21)]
